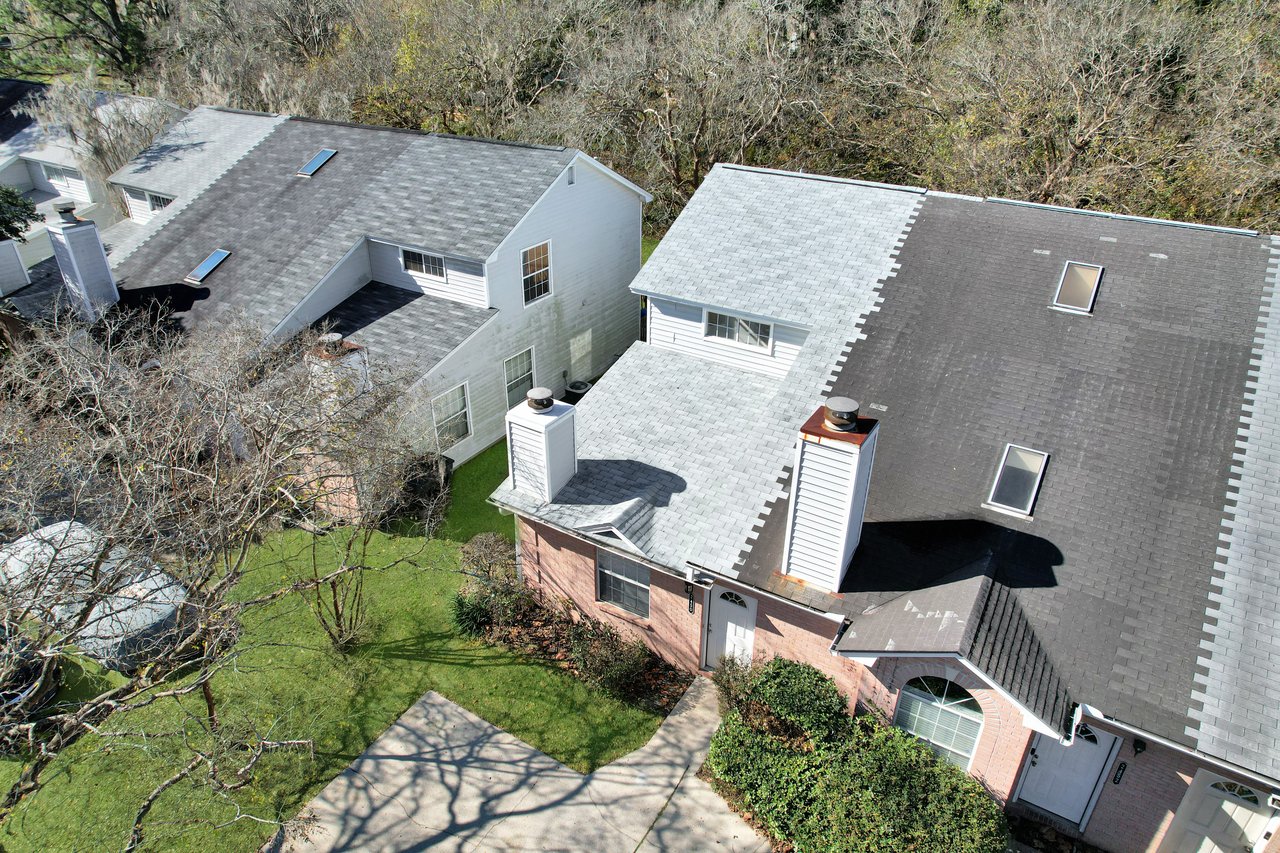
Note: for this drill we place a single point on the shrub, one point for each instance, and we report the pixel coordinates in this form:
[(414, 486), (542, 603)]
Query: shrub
[(732, 678), (470, 613), (607, 659), (863, 787), (488, 557)]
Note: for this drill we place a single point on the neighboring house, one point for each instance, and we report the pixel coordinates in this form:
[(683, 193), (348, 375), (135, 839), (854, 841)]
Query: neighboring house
[(1059, 569), (480, 268)]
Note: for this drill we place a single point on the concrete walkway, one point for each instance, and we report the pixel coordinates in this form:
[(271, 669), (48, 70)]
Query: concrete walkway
[(443, 779)]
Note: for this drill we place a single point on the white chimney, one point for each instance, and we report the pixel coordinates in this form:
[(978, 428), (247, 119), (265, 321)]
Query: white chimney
[(338, 370), (829, 486), (13, 272), (83, 263), (542, 450)]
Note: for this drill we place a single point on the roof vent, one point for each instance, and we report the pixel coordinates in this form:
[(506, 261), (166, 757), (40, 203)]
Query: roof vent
[(842, 413), (313, 165), (540, 399), (66, 211)]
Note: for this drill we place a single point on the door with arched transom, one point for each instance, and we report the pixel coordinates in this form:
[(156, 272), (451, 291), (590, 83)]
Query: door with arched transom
[(731, 626)]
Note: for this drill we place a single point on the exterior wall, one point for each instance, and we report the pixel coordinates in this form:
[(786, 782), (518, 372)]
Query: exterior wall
[(347, 276), (464, 280), (586, 323), (17, 175), (1004, 740), (1130, 816), (679, 326), (77, 189)]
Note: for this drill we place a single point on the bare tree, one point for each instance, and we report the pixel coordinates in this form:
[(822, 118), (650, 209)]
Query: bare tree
[(111, 32), (105, 131), (142, 471)]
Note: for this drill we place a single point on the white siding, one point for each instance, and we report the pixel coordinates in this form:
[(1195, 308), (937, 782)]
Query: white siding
[(347, 276), (820, 514), (74, 188), (13, 272), (17, 175), (588, 321), (138, 204), (464, 280), (679, 326), (527, 455)]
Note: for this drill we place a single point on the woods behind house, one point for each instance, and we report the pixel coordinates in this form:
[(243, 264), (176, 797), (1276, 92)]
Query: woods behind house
[(1167, 109)]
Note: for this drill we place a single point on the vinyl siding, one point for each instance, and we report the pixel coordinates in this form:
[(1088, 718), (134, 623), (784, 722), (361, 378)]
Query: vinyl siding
[(76, 188), (347, 276), (528, 457), (679, 326), (589, 319), (464, 280), (821, 514)]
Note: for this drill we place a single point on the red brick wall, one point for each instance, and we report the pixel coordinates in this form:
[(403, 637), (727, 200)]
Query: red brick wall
[(1131, 816)]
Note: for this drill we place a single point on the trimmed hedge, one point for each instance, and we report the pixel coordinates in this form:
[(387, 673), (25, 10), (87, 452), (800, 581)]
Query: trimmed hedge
[(843, 784)]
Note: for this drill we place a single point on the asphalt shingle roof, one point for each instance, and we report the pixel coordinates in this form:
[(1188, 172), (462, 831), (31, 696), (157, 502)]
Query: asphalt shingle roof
[(402, 327), (459, 197)]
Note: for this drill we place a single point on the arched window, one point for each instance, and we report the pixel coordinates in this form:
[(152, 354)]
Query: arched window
[(733, 598), (943, 715), (1235, 789)]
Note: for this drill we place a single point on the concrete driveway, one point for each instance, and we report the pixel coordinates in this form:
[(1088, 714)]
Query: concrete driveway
[(443, 779)]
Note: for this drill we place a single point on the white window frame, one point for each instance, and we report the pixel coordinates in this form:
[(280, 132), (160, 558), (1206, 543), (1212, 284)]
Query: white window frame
[(466, 413), (404, 265), (151, 202), (734, 342), (550, 274), (647, 587), (533, 373), (982, 718), (1062, 279), (990, 502), (65, 174)]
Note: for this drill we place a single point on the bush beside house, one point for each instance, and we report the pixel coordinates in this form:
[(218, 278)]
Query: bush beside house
[(821, 780)]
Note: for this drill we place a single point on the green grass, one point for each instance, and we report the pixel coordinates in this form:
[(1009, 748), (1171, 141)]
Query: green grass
[(289, 676), (469, 510), (647, 245)]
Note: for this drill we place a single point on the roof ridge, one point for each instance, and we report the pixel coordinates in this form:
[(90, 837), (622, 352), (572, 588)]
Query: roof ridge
[(1124, 217), (428, 133), (813, 176)]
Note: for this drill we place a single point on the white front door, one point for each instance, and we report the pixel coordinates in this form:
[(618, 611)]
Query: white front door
[(1061, 779), (1218, 816), (731, 626)]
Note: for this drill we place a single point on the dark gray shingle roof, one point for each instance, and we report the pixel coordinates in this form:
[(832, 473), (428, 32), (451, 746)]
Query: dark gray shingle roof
[(459, 197), (404, 328)]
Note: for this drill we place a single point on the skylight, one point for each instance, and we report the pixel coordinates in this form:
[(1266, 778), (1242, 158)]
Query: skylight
[(1018, 480), (1078, 287), (314, 164), (207, 266)]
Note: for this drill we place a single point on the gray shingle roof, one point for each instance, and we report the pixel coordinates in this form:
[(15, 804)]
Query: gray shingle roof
[(459, 197), (1101, 598), (189, 156), (404, 328)]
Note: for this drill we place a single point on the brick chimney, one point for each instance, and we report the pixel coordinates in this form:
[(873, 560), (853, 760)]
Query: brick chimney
[(83, 263), (338, 370), (542, 450), (829, 486)]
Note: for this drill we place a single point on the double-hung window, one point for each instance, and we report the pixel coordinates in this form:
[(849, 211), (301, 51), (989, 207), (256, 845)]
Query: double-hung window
[(453, 420), (942, 714), (60, 176), (535, 266), (738, 329), (623, 583), (421, 263), (518, 372)]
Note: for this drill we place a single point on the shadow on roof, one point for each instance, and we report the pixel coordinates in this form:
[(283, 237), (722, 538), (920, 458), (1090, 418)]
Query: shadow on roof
[(165, 302), (895, 556), (165, 152), (615, 481)]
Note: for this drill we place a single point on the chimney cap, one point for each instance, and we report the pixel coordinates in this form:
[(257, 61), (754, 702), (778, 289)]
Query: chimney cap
[(540, 399), (842, 412), (66, 211)]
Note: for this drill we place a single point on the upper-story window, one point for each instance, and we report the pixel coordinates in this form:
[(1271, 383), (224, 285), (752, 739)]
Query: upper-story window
[(421, 263), (60, 175), (535, 264), (158, 202), (743, 331), (452, 416)]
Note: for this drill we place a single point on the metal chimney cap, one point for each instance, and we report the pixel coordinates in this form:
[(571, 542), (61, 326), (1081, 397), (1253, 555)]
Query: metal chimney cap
[(66, 211), (540, 399), (842, 413)]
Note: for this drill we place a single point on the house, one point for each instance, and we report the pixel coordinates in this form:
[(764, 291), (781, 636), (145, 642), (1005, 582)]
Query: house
[(1006, 472), (479, 268), (46, 166)]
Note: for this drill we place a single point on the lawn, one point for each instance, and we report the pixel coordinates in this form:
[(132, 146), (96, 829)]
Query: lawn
[(290, 680), (647, 245), (469, 510)]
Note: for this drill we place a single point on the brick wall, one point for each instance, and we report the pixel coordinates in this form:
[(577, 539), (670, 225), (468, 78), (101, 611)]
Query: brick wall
[(1131, 816)]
